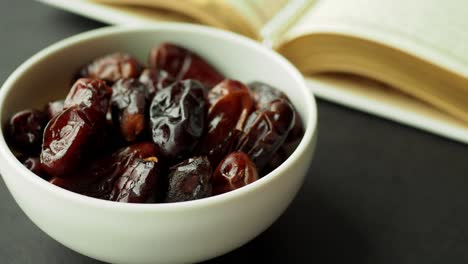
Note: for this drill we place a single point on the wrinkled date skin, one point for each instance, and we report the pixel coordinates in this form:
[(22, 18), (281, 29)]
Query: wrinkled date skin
[(295, 135), (25, 129), (231, 105), (128, 104), (54, 108), (177, 119), (112, 67), (234, 172), (67, 141), (100, 178), (226, 87), (277, 159), (137, 183), (190, 180), (265, 131), (263, 93), (34, 164), (227, 145), (91, 95), (183, 64), (72, 134), (155, 80)]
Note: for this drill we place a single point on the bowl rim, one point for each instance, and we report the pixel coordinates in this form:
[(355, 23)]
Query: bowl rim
[(308, 138)]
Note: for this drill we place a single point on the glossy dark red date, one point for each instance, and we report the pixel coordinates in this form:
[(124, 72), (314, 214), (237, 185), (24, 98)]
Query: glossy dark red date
[(265, 131), (234, 172), (230, 106), (112, 67), (137, 182), (98, 180), (128, 104), (226, 87), (90, 95), (71, 136), (183, 64), (177, 119), (67, 142), (190, 180), (263, 94), (227, 145), (24, 131), (34, 165), (155, 80)]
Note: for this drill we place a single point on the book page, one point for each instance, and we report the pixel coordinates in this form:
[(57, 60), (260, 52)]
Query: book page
[(242, 16), (259, 12), (400, 23), (282, 20), (387, 102)]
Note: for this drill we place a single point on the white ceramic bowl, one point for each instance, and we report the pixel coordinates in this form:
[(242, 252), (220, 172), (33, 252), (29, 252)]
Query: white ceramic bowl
[(155, 233)]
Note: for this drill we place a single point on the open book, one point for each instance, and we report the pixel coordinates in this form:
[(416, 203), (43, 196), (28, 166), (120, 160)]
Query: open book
[(417, 50)]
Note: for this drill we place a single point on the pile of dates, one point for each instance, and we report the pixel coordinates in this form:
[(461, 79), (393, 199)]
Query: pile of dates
[(176, 130)]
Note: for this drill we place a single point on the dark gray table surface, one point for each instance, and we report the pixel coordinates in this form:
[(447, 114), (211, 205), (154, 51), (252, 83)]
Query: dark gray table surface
[(377, 191)]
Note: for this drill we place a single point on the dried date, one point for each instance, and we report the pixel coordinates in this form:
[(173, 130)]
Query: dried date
[(91, 95), (112, 67), (73, 134), (266, 130), (177, 118), (190, 180), (155, 80), (99, 179), (137, 183), (226, 87), (263, 93), (66, 143), (25, 130), (234, 172), (227, 145), (128, 104), (183, 64), (34, 165), (295, 135), (231, 104)]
